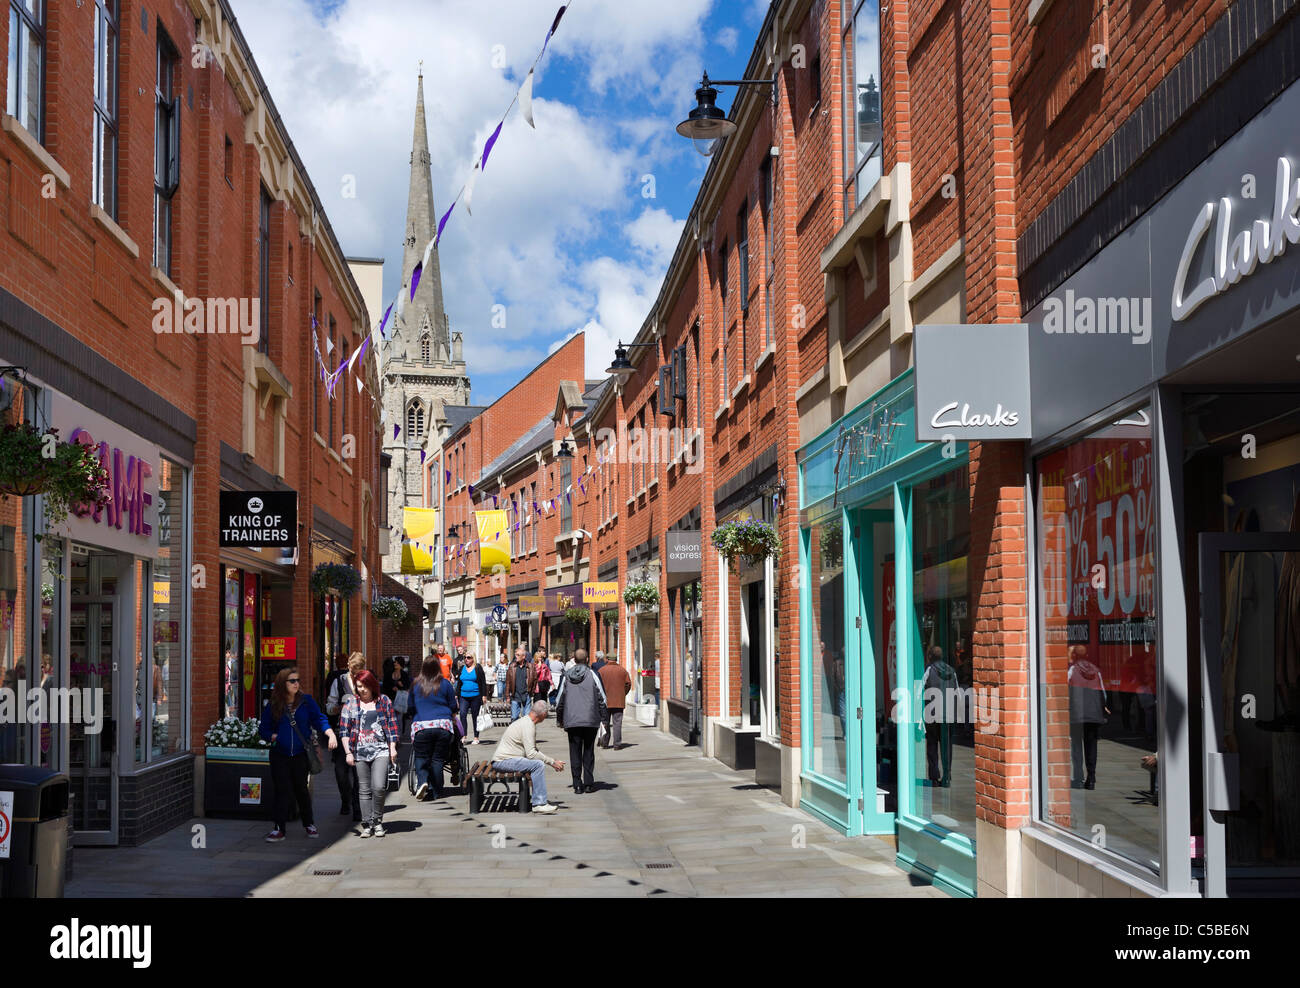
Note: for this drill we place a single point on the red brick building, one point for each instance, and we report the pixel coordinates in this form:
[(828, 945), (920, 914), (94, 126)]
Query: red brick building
[(165, 260)]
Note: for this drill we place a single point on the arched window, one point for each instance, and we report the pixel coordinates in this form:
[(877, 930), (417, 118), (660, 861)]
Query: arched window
[(424, 348), (414, 421)]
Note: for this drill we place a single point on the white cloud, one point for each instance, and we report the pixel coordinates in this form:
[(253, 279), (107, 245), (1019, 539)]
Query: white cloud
[(539, 240), (728, 37)]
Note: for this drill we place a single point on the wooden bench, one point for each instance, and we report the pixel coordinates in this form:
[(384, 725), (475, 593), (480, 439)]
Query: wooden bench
[(482, 777)]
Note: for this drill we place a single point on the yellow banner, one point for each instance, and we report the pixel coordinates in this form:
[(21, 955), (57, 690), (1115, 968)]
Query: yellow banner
[(493, 541), (600, 593), (420, 524), (534, 604), (416, 559)]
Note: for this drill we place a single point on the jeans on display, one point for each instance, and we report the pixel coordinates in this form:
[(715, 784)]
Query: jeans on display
[(430, 754), (469, 708), (533, 765), (289, 778), (1083, 750), (582, 755), (373, 779)]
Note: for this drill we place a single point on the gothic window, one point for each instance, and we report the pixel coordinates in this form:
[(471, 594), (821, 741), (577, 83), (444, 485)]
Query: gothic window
[(424, 348), (414, 421)]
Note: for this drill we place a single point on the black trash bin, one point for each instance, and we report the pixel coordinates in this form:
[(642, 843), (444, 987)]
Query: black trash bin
[(38, 841)]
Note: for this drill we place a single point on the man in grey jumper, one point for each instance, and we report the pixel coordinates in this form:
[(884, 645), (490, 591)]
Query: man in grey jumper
[(517, 751)]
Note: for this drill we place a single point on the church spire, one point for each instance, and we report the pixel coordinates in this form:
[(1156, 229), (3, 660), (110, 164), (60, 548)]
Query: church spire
[(421, 221)]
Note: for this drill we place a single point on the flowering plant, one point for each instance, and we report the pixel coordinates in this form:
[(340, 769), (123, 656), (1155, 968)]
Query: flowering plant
[(751, 538), (390, 608), (335, 576), (69, 475), (643, 594), (231, 732)]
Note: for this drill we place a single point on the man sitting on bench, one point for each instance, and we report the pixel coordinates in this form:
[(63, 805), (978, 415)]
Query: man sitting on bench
[(517, 752)]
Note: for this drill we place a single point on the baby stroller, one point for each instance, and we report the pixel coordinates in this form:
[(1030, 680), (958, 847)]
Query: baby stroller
[(457, 764)]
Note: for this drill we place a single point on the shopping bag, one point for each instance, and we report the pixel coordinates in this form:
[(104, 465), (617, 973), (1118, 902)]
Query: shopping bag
[(402, 701), (485, 720), (600, 731), (394, 777)]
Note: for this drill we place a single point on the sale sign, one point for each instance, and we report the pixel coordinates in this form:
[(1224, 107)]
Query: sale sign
[(1098, 553)]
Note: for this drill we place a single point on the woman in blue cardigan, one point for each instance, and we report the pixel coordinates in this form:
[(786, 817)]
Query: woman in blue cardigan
[(287, 722)]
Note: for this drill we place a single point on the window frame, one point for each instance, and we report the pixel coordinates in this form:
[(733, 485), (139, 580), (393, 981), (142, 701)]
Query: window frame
[(105, 118), (17, 99), (264, 280)]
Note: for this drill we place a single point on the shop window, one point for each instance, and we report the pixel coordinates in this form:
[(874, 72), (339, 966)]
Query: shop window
[(1097, 654), (161, 684), (264, 279), (827, 699), (945, 704), (863, 102)]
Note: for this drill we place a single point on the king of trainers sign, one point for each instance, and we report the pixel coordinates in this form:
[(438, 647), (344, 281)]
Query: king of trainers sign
[(259, 519)]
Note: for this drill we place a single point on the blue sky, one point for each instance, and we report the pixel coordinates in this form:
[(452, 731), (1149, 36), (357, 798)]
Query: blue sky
[(561, 232)]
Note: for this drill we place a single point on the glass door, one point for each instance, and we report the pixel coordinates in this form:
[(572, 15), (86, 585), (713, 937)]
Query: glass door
[(1250, 681), (91, 763), (871, 628)]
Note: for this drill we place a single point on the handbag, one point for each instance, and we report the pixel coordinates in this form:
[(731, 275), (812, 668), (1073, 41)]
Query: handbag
[(314, 766), (402, 701), (394, 777), (485, 720)]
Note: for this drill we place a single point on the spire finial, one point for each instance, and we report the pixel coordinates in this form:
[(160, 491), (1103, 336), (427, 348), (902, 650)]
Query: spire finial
[(421, 68)]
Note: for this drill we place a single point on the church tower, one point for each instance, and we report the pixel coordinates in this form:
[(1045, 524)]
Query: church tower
[(422, 367)]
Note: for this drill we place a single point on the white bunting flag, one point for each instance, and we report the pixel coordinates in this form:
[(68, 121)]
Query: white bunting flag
[(467, 193), (526, 99)]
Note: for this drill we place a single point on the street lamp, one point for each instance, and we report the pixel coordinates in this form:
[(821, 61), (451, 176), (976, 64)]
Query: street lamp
[(566, 451), (707, 125), (621, 365)]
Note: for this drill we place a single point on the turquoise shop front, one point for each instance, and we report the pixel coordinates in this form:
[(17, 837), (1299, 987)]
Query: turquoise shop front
[(885, 613)]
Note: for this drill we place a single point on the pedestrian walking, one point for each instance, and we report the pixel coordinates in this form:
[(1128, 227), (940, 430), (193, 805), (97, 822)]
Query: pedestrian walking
[(370, 736), (517, 751), (287, 722), (336, 696), (599, 663), (521, 678), (543, 680), (502, 668), (557, 665), (617, 685), (431, 733), (579, 710), (471, 687)]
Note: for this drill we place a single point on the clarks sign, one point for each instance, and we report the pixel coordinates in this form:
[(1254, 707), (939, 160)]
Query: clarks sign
[(1236, 257), (972, 382)]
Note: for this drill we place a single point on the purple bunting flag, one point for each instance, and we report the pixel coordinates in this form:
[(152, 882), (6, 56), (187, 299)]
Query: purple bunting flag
[(487, 148), (415, 279)]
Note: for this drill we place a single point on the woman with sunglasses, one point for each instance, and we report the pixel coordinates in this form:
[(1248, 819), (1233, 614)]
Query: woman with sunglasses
[(287, 722), (370, 744)]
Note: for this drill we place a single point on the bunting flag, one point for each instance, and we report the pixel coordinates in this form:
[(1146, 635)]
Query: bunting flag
[(360, 386), (525, 104), (487, 149), (329, 346), (396, 430), (383, 322), (415, 278), (494, 547), (468, 195), (423, 454)]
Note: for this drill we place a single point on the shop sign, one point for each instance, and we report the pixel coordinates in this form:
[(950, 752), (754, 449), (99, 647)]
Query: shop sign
[(534, 604), (561, 599), (129, 522), (600, 593), (259, 519), (6, 822), (280, 649), (685, 553), (972, 382), (162, 592)]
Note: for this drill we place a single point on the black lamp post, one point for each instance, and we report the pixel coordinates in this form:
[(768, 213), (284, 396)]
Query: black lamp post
[(621, 365), (707, 125)]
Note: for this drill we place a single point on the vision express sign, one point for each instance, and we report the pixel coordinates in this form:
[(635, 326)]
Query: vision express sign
[(259, 519)]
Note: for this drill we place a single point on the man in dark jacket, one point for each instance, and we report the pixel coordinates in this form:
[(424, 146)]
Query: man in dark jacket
[(579, 710), (521, 677)]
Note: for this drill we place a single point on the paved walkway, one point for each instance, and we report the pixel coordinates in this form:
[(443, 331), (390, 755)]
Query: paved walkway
[(666, 822)]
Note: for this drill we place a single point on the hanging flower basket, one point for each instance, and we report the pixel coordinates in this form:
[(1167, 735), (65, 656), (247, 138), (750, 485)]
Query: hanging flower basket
[(750, 539), (69, 475), (335, 576), (390, 609), (577, 615), (611, 617), (643, 594)]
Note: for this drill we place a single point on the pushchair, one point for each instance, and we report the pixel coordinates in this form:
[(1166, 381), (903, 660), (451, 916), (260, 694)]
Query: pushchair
[(457, 764)]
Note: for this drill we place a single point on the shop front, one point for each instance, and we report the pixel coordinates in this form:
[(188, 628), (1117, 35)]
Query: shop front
[(683, 609), (1165, 468), (888, 718), (94, 628), (642, 636), (605, 616), (562, 633)]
